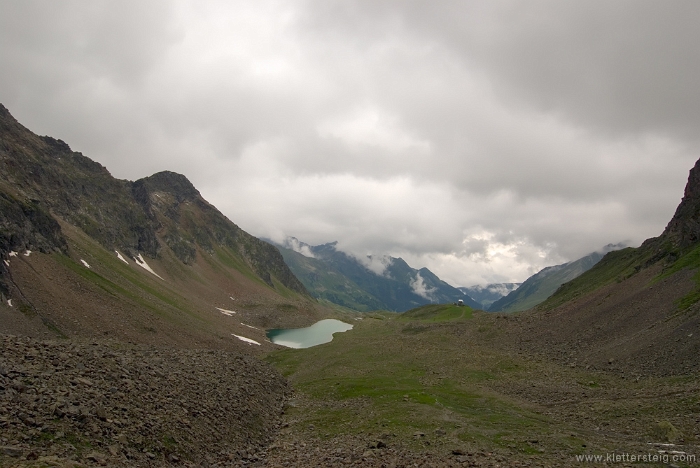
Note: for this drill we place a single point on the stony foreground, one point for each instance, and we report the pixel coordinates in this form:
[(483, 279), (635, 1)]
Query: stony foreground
[(105, 403)]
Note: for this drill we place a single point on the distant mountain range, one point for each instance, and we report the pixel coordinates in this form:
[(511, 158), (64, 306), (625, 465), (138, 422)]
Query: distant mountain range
[(367, 283), (487, 295), (541, 285), (382, 282)]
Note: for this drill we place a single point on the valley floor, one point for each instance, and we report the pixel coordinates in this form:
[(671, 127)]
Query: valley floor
[(448, 391), (440, 387)]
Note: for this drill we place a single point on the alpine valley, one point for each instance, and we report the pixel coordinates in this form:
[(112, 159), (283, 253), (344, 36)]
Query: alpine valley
[(133, 329)]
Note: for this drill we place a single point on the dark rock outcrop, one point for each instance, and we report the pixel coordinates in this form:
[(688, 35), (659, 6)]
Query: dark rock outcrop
[(57, 180), (684, 228)]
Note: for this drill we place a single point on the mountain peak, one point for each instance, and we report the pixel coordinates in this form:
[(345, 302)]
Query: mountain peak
[(4, 112), (170, 182), (42, 179), (684, 228)]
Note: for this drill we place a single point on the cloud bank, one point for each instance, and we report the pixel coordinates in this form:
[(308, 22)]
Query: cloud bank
[(483, 140)]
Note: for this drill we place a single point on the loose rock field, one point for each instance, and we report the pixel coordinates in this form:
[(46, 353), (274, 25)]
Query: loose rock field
[(114, 404)]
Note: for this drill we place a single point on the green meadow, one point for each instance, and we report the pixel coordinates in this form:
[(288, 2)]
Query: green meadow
[(434, 379)]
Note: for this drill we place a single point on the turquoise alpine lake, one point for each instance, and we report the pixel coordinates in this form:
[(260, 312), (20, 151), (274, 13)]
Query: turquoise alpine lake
[(318, 333)]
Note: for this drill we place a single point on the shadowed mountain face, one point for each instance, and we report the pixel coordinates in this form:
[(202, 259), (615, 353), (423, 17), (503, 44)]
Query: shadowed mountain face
[(59, 207), (636, 309), (364, 284)]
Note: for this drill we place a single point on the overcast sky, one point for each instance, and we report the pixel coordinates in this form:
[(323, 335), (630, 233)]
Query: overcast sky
[(482, 139)]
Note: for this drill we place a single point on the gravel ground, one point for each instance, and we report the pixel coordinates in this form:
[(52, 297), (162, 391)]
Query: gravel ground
[(104, 403)]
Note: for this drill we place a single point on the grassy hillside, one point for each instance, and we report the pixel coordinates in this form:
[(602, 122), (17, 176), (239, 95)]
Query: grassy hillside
[(617, 266), (613, 267), (437, 313)]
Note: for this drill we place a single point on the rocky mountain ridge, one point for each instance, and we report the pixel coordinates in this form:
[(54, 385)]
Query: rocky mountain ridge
[(85, 254), (683, 231), (43, 178)]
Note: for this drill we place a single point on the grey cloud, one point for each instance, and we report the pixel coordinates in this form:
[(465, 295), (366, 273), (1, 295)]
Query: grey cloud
[(616, 66), (484, 140)]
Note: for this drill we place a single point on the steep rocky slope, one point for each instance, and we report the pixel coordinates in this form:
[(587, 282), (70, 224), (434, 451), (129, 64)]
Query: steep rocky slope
[(635, 311), (131, 315), (151, 261)]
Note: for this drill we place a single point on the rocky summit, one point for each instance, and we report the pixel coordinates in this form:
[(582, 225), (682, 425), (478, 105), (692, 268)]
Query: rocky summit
[(684, 228)]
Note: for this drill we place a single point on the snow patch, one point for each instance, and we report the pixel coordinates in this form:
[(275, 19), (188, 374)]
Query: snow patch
[(247, 340), (7, 263), (9, 302), (85, 263), (142, 263), (250, 326), (226, 312), (418, 286), (119, 256), (13, 253), (27, 253)]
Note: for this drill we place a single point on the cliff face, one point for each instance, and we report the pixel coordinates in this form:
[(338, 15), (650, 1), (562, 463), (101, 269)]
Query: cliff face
[(43, 182), (684, 228), (45, 174)]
